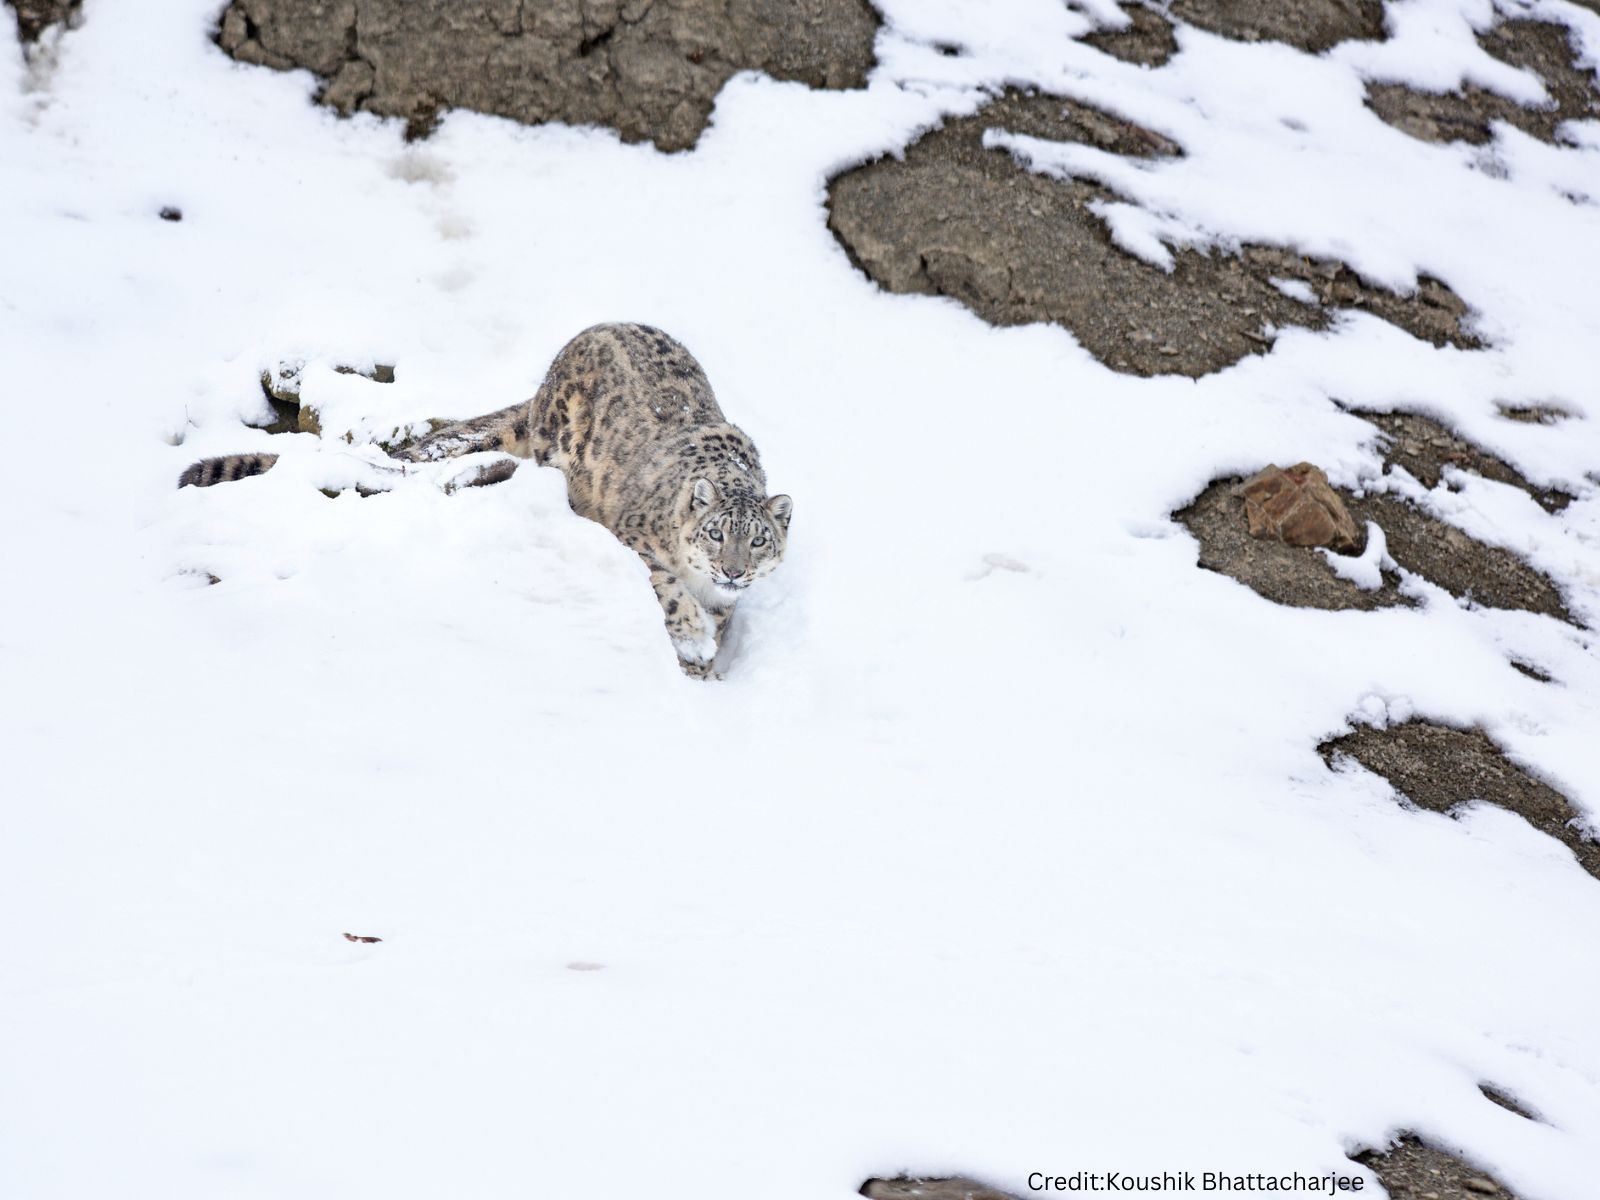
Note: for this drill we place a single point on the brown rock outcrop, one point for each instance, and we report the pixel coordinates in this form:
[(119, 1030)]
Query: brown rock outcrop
[(1543, 47), (956, 217), (1297, 505), (647, 68)]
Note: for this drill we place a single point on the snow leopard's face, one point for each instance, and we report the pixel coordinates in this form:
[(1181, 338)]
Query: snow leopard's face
[(732, 542)]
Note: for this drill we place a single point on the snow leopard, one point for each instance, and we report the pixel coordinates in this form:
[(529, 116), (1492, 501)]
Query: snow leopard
[(628, 416)]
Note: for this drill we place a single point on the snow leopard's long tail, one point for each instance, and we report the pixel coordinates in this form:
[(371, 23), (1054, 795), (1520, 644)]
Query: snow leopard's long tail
[(225, 469), (505, 431)]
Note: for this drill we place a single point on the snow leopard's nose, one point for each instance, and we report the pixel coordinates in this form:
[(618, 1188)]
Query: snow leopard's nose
[(733, 572)]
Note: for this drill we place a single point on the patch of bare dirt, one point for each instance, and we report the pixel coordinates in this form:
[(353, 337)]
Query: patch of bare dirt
[(953, 218), (1285, 574), (1439, 768), (1466, 568), (908, 1188), (1505, 1101), (646, 68), (1535, 414), (1299, 576), (1231, 543), (1312, 25), (1543, 47), (1425, 448), (1148, 41), (1413, 1170)]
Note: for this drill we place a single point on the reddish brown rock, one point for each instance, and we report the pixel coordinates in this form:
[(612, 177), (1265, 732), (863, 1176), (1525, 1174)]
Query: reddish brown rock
[(1298, 506)]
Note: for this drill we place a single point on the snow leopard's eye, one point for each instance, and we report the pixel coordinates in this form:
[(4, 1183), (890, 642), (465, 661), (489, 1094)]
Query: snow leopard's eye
[(714, 534), (758, 541)]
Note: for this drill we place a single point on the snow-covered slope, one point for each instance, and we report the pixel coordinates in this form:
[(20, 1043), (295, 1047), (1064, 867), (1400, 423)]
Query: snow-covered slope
[(1003, 847)]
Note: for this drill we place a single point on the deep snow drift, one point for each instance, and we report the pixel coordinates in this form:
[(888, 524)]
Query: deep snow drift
[(1004, 846)]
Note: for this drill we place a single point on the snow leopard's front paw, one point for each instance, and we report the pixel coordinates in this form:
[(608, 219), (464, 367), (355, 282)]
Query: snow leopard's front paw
[(697, 668)]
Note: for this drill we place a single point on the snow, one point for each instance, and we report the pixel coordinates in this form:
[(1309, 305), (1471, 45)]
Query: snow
[(1004, 846), (1365, 570)]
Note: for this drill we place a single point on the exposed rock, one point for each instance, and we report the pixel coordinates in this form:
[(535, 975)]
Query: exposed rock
[(1531, 671), (1505, 1101), (1298, 506), (1439, 768), (1425, 448), (1463, 566), (1423, 544), (1545, 48), (1284, 574), (647, 68), (1535, 414), (1234, 524), (1413, 1170), (908, 1188), (1431, 313), (378, 372), (956, 219), (281, 386), (1312, 25), (282, 382), (35, 16), (1148, 41)]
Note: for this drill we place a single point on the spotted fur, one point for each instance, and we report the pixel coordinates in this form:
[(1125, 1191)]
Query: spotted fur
[(628, 416), (226, 469)]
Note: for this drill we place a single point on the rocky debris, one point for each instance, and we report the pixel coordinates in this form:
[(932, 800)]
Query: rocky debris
[(953, 218), (35, 16), (1297, 506), (1312, 25), (1259, 531), (647, 68), (170, 213), (1425, 448), (1299, 576), (1505, 1101), (1439, 768), (1285, 574), (359, 489), (1148, 41), (909, 1188), (1535, 414), (1430, 313), (281, 387), (378, 372), (1468, 569), (1543, 47), (1531, 671), (1413, 1170)]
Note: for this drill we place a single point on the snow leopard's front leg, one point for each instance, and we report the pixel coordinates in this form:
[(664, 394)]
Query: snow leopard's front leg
[(693, 629)]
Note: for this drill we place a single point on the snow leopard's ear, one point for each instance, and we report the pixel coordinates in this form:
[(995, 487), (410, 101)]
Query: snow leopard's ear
[(780, 507), (703, 494)]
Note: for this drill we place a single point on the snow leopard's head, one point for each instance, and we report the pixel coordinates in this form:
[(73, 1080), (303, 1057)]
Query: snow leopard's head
[(733, 539)]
